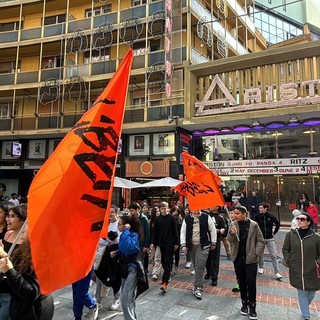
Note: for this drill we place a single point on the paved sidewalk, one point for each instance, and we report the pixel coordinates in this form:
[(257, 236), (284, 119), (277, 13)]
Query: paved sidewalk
[(275, 299)]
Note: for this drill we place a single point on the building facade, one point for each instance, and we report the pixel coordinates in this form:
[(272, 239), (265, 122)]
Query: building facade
[(194, 86)]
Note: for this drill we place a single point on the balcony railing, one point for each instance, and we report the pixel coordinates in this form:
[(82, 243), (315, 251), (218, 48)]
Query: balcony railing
[(54, 30), (6, 78), (29, 34), (10, 36)]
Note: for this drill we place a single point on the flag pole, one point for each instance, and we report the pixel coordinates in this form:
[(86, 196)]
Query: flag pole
[(17, 238), (228, 213)]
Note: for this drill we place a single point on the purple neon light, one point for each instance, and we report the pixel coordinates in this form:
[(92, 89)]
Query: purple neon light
[(257, 127), (197, 133), (241, 128), (275, 125), (226, 130), (294, 124), (211, 131), (311, 122)]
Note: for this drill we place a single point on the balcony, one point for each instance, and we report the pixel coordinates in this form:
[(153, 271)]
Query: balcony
[(56, 73), (135, 12), (27, 77), (30, 34), (103, 67), (197, 57), (6, 79), (217, 28), (84, 24), (154, 7), (54, 30), (11, 36), (107, 18)]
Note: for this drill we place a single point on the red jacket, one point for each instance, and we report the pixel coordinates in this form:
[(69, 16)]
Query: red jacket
[(313, 211)]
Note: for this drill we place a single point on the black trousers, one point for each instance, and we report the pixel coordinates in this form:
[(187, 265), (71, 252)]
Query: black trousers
[(247, 279), (166, 261), (176, 255), (213, 261)]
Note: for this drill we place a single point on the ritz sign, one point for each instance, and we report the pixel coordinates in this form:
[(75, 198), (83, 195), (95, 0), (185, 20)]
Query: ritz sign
[(253, 98)]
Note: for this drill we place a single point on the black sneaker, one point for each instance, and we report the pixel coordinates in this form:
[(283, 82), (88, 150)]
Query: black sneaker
[(244, 310), (253, 315), (214, 283), (207, 276)]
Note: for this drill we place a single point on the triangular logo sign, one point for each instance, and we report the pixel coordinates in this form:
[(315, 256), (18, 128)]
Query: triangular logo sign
[(206, 102)]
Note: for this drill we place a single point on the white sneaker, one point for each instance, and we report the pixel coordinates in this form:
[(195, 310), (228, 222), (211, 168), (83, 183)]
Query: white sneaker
[(155, 277), (115, 305), (193, 272), (260, 270), (93, 313), (278, 276), (188, 265)]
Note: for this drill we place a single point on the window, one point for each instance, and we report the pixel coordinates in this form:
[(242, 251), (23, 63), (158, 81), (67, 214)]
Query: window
[(138, 2), (138, 102), (54, 19), (155, 45), (98, 11), (5, 110), (10, 26), (9, 67), (97, 55), (51, 62), (139, 48)]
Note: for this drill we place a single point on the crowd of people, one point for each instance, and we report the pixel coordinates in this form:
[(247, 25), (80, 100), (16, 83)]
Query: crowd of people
[(146, 242)]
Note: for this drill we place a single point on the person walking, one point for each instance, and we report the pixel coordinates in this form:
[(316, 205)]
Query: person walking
[(213, 260), (128, 253), (301, 252), (253, 205), (247, 245), (144, 231), (165, 236), (314, 212), (267, 222), (199, 235)]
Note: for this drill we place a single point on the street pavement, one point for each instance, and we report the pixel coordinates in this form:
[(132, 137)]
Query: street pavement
[(275, 299)]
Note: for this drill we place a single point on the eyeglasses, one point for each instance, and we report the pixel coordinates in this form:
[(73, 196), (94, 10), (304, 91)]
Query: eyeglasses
[(302, 219)]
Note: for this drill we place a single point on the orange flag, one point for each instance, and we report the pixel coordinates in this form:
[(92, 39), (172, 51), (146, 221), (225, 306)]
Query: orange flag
[(202, 191), (193, 166), (68, 197)]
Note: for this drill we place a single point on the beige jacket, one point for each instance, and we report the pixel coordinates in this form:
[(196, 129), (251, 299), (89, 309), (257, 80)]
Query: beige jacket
[(254, 245)]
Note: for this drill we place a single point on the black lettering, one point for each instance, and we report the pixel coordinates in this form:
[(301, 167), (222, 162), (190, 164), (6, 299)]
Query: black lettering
[(100, 133), (101, 162), (97, 226), (105, 101), (101, 203)]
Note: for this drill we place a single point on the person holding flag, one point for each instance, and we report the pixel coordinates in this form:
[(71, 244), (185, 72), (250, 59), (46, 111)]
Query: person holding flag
[(199, 235)]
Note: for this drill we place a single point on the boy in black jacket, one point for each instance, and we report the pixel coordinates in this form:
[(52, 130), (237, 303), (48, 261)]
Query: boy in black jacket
[(165, 235), (213, 260), (266, 222)]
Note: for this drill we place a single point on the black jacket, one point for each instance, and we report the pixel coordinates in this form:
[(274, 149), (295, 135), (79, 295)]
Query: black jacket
[(266, 222), (27, 302)]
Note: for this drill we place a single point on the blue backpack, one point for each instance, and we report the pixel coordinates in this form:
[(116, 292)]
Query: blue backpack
[(129, 243)]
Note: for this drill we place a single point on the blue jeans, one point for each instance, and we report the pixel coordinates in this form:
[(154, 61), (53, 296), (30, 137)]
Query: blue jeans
[(5, 299), (305, 298), (81, 295), (128, 292)]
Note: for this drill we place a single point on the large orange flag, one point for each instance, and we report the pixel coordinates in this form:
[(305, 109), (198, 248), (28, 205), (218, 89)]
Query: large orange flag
[(68, 197), (193, 166), (202, 191)]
